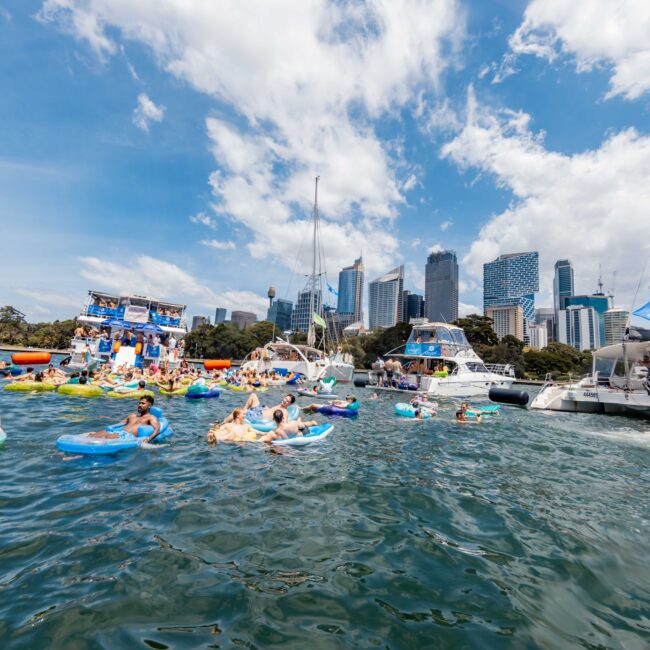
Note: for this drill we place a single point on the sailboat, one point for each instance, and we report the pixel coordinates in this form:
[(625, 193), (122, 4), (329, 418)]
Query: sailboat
[(313, 364)]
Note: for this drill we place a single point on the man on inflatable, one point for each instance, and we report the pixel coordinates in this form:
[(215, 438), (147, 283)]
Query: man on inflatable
[(132, 422)]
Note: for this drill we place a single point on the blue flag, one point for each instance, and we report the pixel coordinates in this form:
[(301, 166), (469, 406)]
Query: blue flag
[(644, 311), (329, 288)]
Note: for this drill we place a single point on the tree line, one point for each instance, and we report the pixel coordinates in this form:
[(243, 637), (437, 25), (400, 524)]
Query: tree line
[(226, 341)]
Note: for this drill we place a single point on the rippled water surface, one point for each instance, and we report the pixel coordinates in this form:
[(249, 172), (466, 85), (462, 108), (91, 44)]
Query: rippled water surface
[(529, 530)]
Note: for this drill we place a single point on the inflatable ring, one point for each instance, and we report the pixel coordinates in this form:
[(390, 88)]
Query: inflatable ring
[(29, 386), (80, 390), (408, 411), (179, 391), (136, 393), (207, 394), (264, 426), (316, 434), (87, 445), (348, 412)]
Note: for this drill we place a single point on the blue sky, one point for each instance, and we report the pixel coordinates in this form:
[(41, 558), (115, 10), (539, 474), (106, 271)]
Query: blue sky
[(168, 147)]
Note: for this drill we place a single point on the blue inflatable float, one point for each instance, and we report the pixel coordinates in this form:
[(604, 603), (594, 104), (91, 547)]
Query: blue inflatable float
[(316, 434), (269, 425), (408, 410), (350, 411), (90, 446)]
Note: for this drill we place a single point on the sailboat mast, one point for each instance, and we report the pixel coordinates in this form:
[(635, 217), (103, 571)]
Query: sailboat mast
[(311, 335)]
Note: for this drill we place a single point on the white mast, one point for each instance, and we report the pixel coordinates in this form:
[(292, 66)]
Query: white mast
[(311, 333)]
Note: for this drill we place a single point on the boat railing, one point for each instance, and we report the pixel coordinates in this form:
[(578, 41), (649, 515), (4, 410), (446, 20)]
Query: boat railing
[(501, 369)]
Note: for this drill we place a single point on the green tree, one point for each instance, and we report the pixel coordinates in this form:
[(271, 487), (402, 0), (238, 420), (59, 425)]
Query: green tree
[(478, 329), (13, 326)]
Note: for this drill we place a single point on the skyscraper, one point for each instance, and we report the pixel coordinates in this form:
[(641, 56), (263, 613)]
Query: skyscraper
[(197, 321), (546, 316), (577, 326), (441, 287), (600, 303), (615, 324), (512, 279), (562, 284), (243, 319), (507, 319), (412, 306), (279, 314), (219, 315), (301, 316), (350, 300), (385, 298)]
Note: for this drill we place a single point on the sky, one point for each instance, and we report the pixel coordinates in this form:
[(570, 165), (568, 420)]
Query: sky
[(169, 147)]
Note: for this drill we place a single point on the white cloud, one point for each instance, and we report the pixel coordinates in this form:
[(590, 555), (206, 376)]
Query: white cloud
[(590, 207), (595, 32), (203, 219), (162, 280), (306, 80), (436, 248), (465, 309), (219, 245), (146, 111), (416, 242), (415, 275), (48, 297), (445, 225), (410, 183)]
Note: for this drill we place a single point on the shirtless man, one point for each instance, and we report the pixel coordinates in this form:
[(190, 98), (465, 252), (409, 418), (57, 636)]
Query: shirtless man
[(235, 430), (28, 375), (461, 415), (339, 403), (287, 429), (141, 418), (253, 410)]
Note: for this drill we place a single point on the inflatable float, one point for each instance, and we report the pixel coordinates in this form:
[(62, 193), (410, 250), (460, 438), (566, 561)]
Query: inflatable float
[(310, 393), (178, 391), (137, 394), (484, 411), (408, 411), (202, 392), (316, 434), (30, 358), (264, 426), (90, 446), (349, 411), (80, 390), (29, 387), (216, 364)]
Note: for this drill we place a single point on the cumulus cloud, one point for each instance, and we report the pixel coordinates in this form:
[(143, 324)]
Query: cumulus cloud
[(203, 219), (594, 32), (445, 225), (165, 281), (307, 81), (465, 309), (218, 245), (590, 207), (146, 112)]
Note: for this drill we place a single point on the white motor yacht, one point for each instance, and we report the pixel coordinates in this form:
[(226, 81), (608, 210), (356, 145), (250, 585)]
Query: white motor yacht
[(438, 360), (618, 384)]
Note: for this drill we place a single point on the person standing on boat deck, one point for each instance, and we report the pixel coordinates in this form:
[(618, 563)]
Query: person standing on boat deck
[(389, 368), (378, 367)]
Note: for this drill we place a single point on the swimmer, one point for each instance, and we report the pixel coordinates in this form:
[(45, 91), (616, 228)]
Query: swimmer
[(461, 415), (235, 430), (136, 389), (285, 430), (338, 403), (374, 396), (28, 375), (255, 411), (142, 417)]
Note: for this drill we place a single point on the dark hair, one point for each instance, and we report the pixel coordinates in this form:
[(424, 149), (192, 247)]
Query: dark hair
[(417, 412), (73, 375), (278, 415), (30, 369), (148, 398), (84, 373), (82, 380), (291, 397), (142, 383), (352, 397), (38, 376)]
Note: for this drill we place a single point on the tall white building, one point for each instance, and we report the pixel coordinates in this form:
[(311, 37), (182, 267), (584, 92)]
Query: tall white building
[(507, 320), (615, 323), (385, 299), (538, 336), (578, 327)]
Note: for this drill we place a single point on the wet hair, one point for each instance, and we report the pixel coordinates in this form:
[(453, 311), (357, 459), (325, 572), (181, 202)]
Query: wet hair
[(148, 398), (73, 375), (351, 397), (291, 397), (84, 373), (38, 376), (417, 412), (278, 415), (236, 413), (142, 384), (30, 369), (82, 380)]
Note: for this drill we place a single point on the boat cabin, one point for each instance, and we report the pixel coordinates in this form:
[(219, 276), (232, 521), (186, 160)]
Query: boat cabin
[(623, 366)]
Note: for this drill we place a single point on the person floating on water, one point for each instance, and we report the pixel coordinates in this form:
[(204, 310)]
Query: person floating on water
[(253, 410), (461, 415), (339, 403), (235, 430), (141, 418), (285, 430)]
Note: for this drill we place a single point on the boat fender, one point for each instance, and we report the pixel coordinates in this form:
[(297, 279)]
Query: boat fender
[(66, 361), (508, 396)]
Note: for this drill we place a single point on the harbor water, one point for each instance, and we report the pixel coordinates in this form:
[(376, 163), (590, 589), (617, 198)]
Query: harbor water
[(528, 530)]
